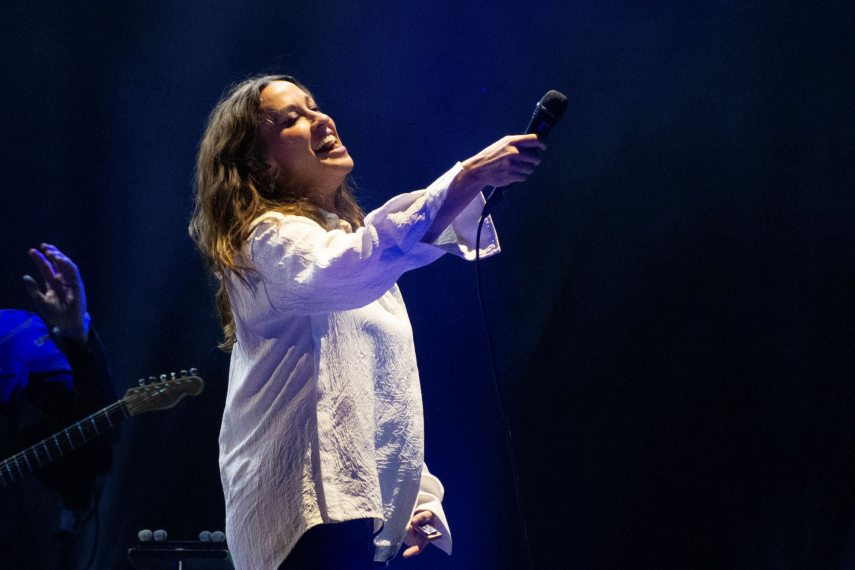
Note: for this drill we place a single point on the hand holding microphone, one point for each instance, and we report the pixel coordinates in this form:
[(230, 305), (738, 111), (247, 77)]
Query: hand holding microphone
[(547, 113), (508, 160), (513, 158)]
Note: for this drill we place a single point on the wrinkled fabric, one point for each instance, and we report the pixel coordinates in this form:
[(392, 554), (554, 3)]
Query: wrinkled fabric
[(323, 416)]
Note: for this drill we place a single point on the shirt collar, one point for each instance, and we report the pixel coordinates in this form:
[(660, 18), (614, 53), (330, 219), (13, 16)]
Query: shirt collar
[(333, 222)]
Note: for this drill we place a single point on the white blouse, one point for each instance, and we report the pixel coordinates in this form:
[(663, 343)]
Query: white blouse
[(323, 416)]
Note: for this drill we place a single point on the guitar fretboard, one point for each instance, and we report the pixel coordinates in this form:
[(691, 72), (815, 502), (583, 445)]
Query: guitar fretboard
[(53, 447)]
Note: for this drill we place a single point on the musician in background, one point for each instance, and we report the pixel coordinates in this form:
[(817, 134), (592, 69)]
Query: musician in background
[(52, 374)]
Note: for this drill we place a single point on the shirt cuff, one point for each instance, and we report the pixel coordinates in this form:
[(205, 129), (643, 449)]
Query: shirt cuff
[(430, 499), (460, 236)]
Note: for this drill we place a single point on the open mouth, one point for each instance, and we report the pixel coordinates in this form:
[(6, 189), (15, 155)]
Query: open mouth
[(329, 143)]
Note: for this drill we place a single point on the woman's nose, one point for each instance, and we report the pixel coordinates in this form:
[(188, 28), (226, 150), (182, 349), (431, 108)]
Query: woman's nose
[(322, 118)]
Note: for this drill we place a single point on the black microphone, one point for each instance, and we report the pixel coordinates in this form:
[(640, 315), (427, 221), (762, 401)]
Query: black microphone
[(547, 113)]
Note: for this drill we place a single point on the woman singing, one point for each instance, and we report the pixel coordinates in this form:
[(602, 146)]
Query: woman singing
[(322, 443)]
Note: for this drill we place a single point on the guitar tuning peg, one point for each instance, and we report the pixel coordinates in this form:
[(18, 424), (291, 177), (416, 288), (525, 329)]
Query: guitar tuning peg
[(183, 373), (163, 377), (152, 379), (172, 375), (141, 381), (193, 372)]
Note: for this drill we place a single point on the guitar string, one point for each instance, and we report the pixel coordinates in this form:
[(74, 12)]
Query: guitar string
[(125, 405), (32, 451), (70, 432)]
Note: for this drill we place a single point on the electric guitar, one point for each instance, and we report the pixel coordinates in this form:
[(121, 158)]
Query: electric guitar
[(156, 395)]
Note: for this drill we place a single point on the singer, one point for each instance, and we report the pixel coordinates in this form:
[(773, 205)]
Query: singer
[(321, 443)]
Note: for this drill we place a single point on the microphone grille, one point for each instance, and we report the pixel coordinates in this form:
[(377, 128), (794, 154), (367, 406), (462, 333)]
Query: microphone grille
[(555, 102)]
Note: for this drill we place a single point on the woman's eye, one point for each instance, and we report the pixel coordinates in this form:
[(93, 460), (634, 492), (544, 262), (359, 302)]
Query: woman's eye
[(292, 119)]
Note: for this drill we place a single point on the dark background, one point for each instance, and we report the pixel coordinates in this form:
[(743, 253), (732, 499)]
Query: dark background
[(673, 313)]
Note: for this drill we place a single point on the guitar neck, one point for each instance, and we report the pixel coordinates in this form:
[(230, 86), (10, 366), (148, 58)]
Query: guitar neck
[(52, 448), (158, 395)]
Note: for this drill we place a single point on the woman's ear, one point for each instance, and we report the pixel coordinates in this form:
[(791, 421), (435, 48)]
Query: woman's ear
[(267, 169), (271, 172)]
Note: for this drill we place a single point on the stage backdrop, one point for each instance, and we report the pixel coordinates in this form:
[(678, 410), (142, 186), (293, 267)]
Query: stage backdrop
[(673, 313)]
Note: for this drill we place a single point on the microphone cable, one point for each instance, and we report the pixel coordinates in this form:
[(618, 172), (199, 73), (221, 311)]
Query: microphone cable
[(493, 198), (547, 113)]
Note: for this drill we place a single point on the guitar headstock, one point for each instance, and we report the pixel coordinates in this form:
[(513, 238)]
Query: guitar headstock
[(163, 392)]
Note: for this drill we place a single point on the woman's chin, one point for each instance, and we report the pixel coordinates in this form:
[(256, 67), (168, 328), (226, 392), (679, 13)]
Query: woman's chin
[(344, 161)]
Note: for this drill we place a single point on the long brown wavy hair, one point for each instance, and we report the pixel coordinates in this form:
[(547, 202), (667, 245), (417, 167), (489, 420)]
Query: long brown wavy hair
[(233, 187)]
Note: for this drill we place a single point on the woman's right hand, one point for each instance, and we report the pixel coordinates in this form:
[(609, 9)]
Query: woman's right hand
[(510, 159)]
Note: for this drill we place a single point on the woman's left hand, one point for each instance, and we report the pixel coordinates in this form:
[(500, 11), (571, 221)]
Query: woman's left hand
[(414, 540)]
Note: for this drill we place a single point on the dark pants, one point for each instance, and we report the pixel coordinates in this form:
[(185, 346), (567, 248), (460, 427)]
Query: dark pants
[(339, 546)]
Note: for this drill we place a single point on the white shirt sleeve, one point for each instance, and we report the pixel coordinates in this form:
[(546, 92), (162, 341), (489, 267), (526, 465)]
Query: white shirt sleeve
[(430, 499), (308, 269)]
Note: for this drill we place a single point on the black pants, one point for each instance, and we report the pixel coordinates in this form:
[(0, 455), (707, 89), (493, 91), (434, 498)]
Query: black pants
[(340, 546)]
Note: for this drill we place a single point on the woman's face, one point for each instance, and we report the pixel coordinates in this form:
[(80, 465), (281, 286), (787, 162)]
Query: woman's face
[(301, 143)]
